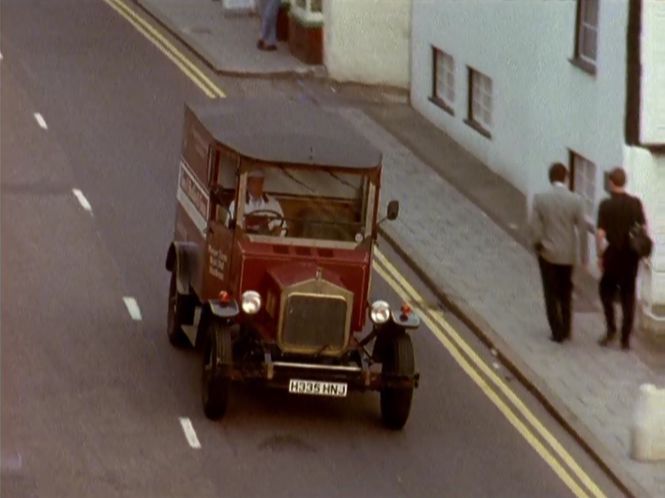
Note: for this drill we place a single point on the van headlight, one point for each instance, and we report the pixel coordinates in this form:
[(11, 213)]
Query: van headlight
[(250, 302), (379, 312)]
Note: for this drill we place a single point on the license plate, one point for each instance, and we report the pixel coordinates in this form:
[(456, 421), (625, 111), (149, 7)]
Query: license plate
[(318, 388)]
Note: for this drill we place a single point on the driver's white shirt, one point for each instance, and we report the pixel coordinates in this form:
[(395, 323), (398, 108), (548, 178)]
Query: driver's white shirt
[(258, 204)]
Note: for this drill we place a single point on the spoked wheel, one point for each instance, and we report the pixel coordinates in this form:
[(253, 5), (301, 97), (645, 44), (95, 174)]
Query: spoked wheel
[(179, 312), (397, 356), (217, 363)]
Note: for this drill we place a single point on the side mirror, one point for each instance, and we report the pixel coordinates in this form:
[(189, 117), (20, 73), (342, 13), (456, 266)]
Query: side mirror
[(393, 210)]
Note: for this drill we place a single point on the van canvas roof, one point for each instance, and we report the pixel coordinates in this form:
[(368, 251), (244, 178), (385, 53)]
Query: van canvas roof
[(287, 132)]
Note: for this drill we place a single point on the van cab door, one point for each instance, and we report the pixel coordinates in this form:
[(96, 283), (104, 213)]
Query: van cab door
[(219, 233)]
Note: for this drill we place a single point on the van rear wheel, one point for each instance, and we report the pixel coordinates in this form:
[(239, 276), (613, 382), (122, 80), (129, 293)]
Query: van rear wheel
[(398, 359), (217, 364)]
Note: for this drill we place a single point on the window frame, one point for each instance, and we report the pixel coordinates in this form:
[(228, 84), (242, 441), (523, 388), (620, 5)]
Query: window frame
[(480, 126), (435, 98), (580, 59), (572, 156)]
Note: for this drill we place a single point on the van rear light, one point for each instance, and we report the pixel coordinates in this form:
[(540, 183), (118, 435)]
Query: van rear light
[(224, 297)]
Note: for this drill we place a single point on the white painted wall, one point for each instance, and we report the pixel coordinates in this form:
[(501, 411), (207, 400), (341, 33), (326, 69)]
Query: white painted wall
[(652, 126), (543, 105), (647, 168), (646, 176), (367, 41)]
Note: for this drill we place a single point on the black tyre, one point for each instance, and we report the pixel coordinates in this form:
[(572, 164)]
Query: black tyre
[(180, 312), (397, 357), (217, 364)]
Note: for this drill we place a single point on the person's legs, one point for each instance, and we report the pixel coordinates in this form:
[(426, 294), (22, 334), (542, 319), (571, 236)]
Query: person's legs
[(627, 286), (608, 288), (565, 297), (550, 293), (269, 15), (260, 8)]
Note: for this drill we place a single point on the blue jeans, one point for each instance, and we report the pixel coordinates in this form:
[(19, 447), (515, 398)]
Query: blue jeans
[(269, 10)]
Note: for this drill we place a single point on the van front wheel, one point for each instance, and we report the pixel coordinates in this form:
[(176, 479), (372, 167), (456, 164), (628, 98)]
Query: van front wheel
[(398, 360), (217, 364)]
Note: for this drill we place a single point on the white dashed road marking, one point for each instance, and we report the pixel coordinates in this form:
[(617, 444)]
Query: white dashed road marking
[(41, 121), (190, 433), (82, 200), (132, 308)]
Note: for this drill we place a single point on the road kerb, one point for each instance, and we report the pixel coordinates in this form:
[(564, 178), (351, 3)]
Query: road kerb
[(194, 73)]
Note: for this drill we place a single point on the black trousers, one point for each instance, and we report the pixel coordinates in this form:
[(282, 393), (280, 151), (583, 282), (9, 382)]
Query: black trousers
[(558, 290), (619, 275)]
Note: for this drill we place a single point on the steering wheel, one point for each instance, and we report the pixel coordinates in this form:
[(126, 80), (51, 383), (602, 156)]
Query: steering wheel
[(262, 226)]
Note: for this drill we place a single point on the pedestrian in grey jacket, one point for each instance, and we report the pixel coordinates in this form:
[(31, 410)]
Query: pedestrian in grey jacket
[(559, 235)]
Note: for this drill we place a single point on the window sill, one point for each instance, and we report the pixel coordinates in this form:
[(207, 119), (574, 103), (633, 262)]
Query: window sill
[(440, 103), (585, 66), (476, 126)]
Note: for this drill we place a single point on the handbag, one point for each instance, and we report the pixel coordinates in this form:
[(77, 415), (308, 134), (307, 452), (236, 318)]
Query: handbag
[(639, 241)]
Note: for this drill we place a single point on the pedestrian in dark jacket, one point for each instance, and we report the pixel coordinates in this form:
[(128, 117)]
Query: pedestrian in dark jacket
[(617, 261), (559, 236)]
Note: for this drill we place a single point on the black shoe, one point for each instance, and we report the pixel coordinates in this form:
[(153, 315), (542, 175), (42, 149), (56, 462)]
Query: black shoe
[(260, 44), (625, 345), (556, 339), (268, 48), (605, 341)]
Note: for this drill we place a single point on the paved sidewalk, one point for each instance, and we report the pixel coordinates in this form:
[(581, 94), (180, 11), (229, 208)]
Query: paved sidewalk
[(226, 42)]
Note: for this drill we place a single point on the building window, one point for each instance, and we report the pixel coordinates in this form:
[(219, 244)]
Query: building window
[(443, 80), (583, 182), (314, 5), (480, 102), (586, 34)]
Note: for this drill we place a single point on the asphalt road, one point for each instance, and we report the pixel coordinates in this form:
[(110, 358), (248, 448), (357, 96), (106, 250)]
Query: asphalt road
[(91, 399)]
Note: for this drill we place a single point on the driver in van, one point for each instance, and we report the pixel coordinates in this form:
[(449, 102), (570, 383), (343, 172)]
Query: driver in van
[(257, 200)]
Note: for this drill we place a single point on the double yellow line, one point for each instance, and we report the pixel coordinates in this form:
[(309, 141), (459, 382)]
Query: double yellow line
[(167, 48), (510, 405), (528, 425)]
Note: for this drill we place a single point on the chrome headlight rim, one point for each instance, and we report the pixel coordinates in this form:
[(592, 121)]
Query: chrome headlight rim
[(379, 312), (250, 302)]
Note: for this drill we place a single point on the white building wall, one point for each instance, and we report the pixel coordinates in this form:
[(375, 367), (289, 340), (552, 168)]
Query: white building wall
[(367, 41), (646, 173), (542, 104), (652, 109), (646, 168)]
